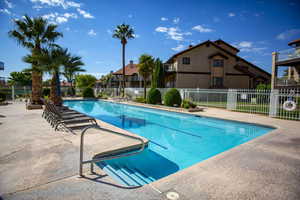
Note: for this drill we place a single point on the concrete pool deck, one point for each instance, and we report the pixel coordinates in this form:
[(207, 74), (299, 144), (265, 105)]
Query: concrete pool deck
[(38, 163)]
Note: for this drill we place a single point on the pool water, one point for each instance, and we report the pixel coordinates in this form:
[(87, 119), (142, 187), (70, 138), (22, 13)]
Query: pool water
[(176, 140)]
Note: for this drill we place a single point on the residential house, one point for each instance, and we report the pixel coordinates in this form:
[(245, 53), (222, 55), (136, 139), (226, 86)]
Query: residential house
[(132, 77), (212, 64), (287, 58)]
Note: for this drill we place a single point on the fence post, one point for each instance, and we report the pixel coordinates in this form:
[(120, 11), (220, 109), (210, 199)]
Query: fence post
[(274, 101), (231, 99)]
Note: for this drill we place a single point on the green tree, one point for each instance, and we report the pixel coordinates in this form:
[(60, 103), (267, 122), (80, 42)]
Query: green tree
[(51, 61), (123, 32), (20, 78), (34, 34), (72, 66), (158, 75), (145, 67), (85, 80)]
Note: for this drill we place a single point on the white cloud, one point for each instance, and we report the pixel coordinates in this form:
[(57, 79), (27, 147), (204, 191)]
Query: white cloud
[(253, 49), (85, 14), (178, 48), (5, 11), (231, 14), (58, 3), (176, 20), (92, 33), (201, 29), (37, 7), (130, 16), (288, 34), (59, 18), (161, 29), (244, 44), (173, 33), (247, 46), (164, 19), (70, 15), (8, 4), (136, 35), (67, 29)]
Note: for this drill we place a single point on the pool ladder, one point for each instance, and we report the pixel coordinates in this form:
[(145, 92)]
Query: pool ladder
[(92, 161)]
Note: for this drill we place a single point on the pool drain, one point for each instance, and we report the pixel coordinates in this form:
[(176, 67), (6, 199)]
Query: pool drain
[(172, 195)]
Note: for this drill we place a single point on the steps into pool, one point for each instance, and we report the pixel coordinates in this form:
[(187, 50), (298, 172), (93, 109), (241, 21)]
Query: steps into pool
[(126, 175)]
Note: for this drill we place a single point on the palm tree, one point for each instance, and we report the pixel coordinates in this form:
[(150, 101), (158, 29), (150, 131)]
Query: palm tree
[(145, 67), (51, 60), (35, 34), (123, 32), (71, 68)]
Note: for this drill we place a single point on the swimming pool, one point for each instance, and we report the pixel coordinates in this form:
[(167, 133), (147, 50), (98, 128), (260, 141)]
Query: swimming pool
[(176, 140)]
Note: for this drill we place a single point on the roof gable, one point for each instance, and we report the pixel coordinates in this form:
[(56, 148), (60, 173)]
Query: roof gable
[(228, 45)]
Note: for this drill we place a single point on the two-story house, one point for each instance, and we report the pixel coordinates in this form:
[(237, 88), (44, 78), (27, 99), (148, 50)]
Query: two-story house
[(212, 64), (132, 77)]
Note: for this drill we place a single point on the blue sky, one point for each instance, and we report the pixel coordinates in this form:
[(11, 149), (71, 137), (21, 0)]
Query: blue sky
[(162, 28)]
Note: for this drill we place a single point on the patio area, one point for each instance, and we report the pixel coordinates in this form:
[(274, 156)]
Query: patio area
[(38, 163)]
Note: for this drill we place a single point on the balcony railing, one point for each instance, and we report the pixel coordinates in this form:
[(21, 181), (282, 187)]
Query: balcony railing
[(287, 82), (288, 54)]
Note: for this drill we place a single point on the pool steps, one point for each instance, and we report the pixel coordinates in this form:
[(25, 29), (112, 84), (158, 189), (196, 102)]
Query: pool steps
[(126, 175)]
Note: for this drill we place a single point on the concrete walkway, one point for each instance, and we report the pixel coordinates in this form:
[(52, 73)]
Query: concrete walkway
[(38, 163)]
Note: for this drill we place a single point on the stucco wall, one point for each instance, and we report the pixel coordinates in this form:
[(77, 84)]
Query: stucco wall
[(192, 81)]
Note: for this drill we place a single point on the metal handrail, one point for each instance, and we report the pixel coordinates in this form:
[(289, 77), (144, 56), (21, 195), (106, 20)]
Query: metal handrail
[(92, 161)]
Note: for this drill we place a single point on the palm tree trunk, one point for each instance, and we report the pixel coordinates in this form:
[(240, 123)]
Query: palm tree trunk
[(53, 88), (145, 95), (58, 90), (36, 87), (54, 92), (123, 64)]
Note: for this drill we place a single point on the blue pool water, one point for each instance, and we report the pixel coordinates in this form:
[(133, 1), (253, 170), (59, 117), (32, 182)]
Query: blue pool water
[(177, 140)]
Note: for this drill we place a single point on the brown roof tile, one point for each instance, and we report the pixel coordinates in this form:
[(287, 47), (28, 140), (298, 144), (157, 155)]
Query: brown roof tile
[(130, 69)]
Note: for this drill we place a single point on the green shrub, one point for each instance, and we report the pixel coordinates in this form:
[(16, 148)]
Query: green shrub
[(187, 104), (88, 93), (140, 100), (172, 98), (102, 95), (154, 96), (2, 96), (46, 92)]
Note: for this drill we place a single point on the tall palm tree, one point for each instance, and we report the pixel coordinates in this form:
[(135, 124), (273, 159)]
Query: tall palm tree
[(35, 34), (145, 67), (72, 66), (52, 60), (123, 32)]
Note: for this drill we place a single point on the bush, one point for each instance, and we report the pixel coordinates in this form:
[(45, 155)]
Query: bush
[(88, 93), (2, 97), (140, 100), (46, 92), (187, 104), (172, 98), (154, 96), (102, 95)]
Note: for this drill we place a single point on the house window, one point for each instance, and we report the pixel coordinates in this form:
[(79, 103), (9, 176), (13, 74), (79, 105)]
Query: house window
[(186, 60), (218, 63), (217, 81)]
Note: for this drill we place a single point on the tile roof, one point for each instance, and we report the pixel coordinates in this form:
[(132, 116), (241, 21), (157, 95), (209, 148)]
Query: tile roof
[(130, 69)]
